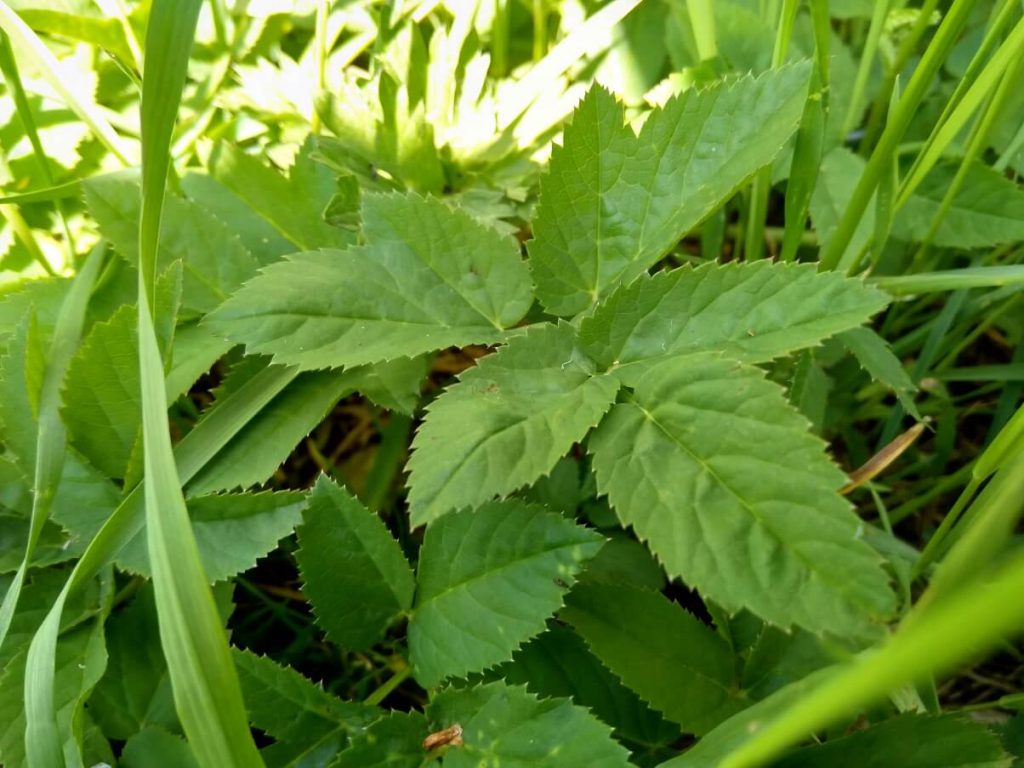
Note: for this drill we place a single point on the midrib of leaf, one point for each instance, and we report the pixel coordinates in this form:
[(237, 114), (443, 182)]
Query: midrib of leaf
[(841, 586), (463, 585)]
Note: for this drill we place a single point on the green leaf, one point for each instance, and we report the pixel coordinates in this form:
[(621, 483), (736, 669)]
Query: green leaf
[(215, 261), (156, 748), (558, 663), (429, 277), (876, 357), (268, 438), (718, 474), (988, 209), (258, 235), (293, 205), (207, 694), (353, 571), (752, 312), (290, 708), (487, 581), (394, 741), (673, 661), (506, 726), (613, 203), (135, 691), (908, 741), (80, 661), (838, 176), (231, 530), (809, 388), (506, 423)]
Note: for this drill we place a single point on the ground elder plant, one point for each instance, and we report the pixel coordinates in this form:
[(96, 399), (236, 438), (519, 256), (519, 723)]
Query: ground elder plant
[(500, 384)]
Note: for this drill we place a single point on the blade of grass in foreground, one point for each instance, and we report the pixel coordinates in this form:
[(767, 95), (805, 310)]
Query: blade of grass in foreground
[(207, 693), (51, 440), (951, 632), (195, 450)]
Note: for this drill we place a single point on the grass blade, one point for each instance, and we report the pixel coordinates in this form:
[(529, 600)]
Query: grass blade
[(952, 279), (951, 632), (51, 442), (27, 40), (207, 693)]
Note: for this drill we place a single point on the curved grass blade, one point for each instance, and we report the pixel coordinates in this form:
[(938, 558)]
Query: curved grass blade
[(207, 693), (51, 440), (195, 450)]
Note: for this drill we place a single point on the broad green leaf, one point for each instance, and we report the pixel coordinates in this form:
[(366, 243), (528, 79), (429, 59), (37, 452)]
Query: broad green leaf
[(506, 423), (752, 312), (135, 691), (626, 562), (102, 403), (105, 33), (504, 725), (777, 658), (293, 205), (428, 277), (487, 581), (258, 235), (154, 747), (394, 741), (80, 661), (215, 261), (987, 210), (718, 474), (231, 530), (673, 661), (290, 708), (193, 352), (908, 741), (558, 663), (876, 357), (613, 202), (267, 439), (353, 571), (809, 388)]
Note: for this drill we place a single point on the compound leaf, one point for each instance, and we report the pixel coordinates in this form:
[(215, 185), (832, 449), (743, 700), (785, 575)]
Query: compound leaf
[(353, 570), (752, 312), (507, 726), (719, 475), (506, 423), (672, 660), (429, 277), (488, 580), (613, 203)]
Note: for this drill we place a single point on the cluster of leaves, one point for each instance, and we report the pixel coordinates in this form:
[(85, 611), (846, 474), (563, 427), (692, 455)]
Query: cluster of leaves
[(620, 537)]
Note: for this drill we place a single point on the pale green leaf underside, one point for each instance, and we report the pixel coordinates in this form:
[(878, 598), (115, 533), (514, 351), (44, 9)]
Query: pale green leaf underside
[(672, 660), (507, 726), (429, 277), (488, 580), (353, 571), (752, 312), (613, 203), (506, 423), (718, 474), (232, 531)]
